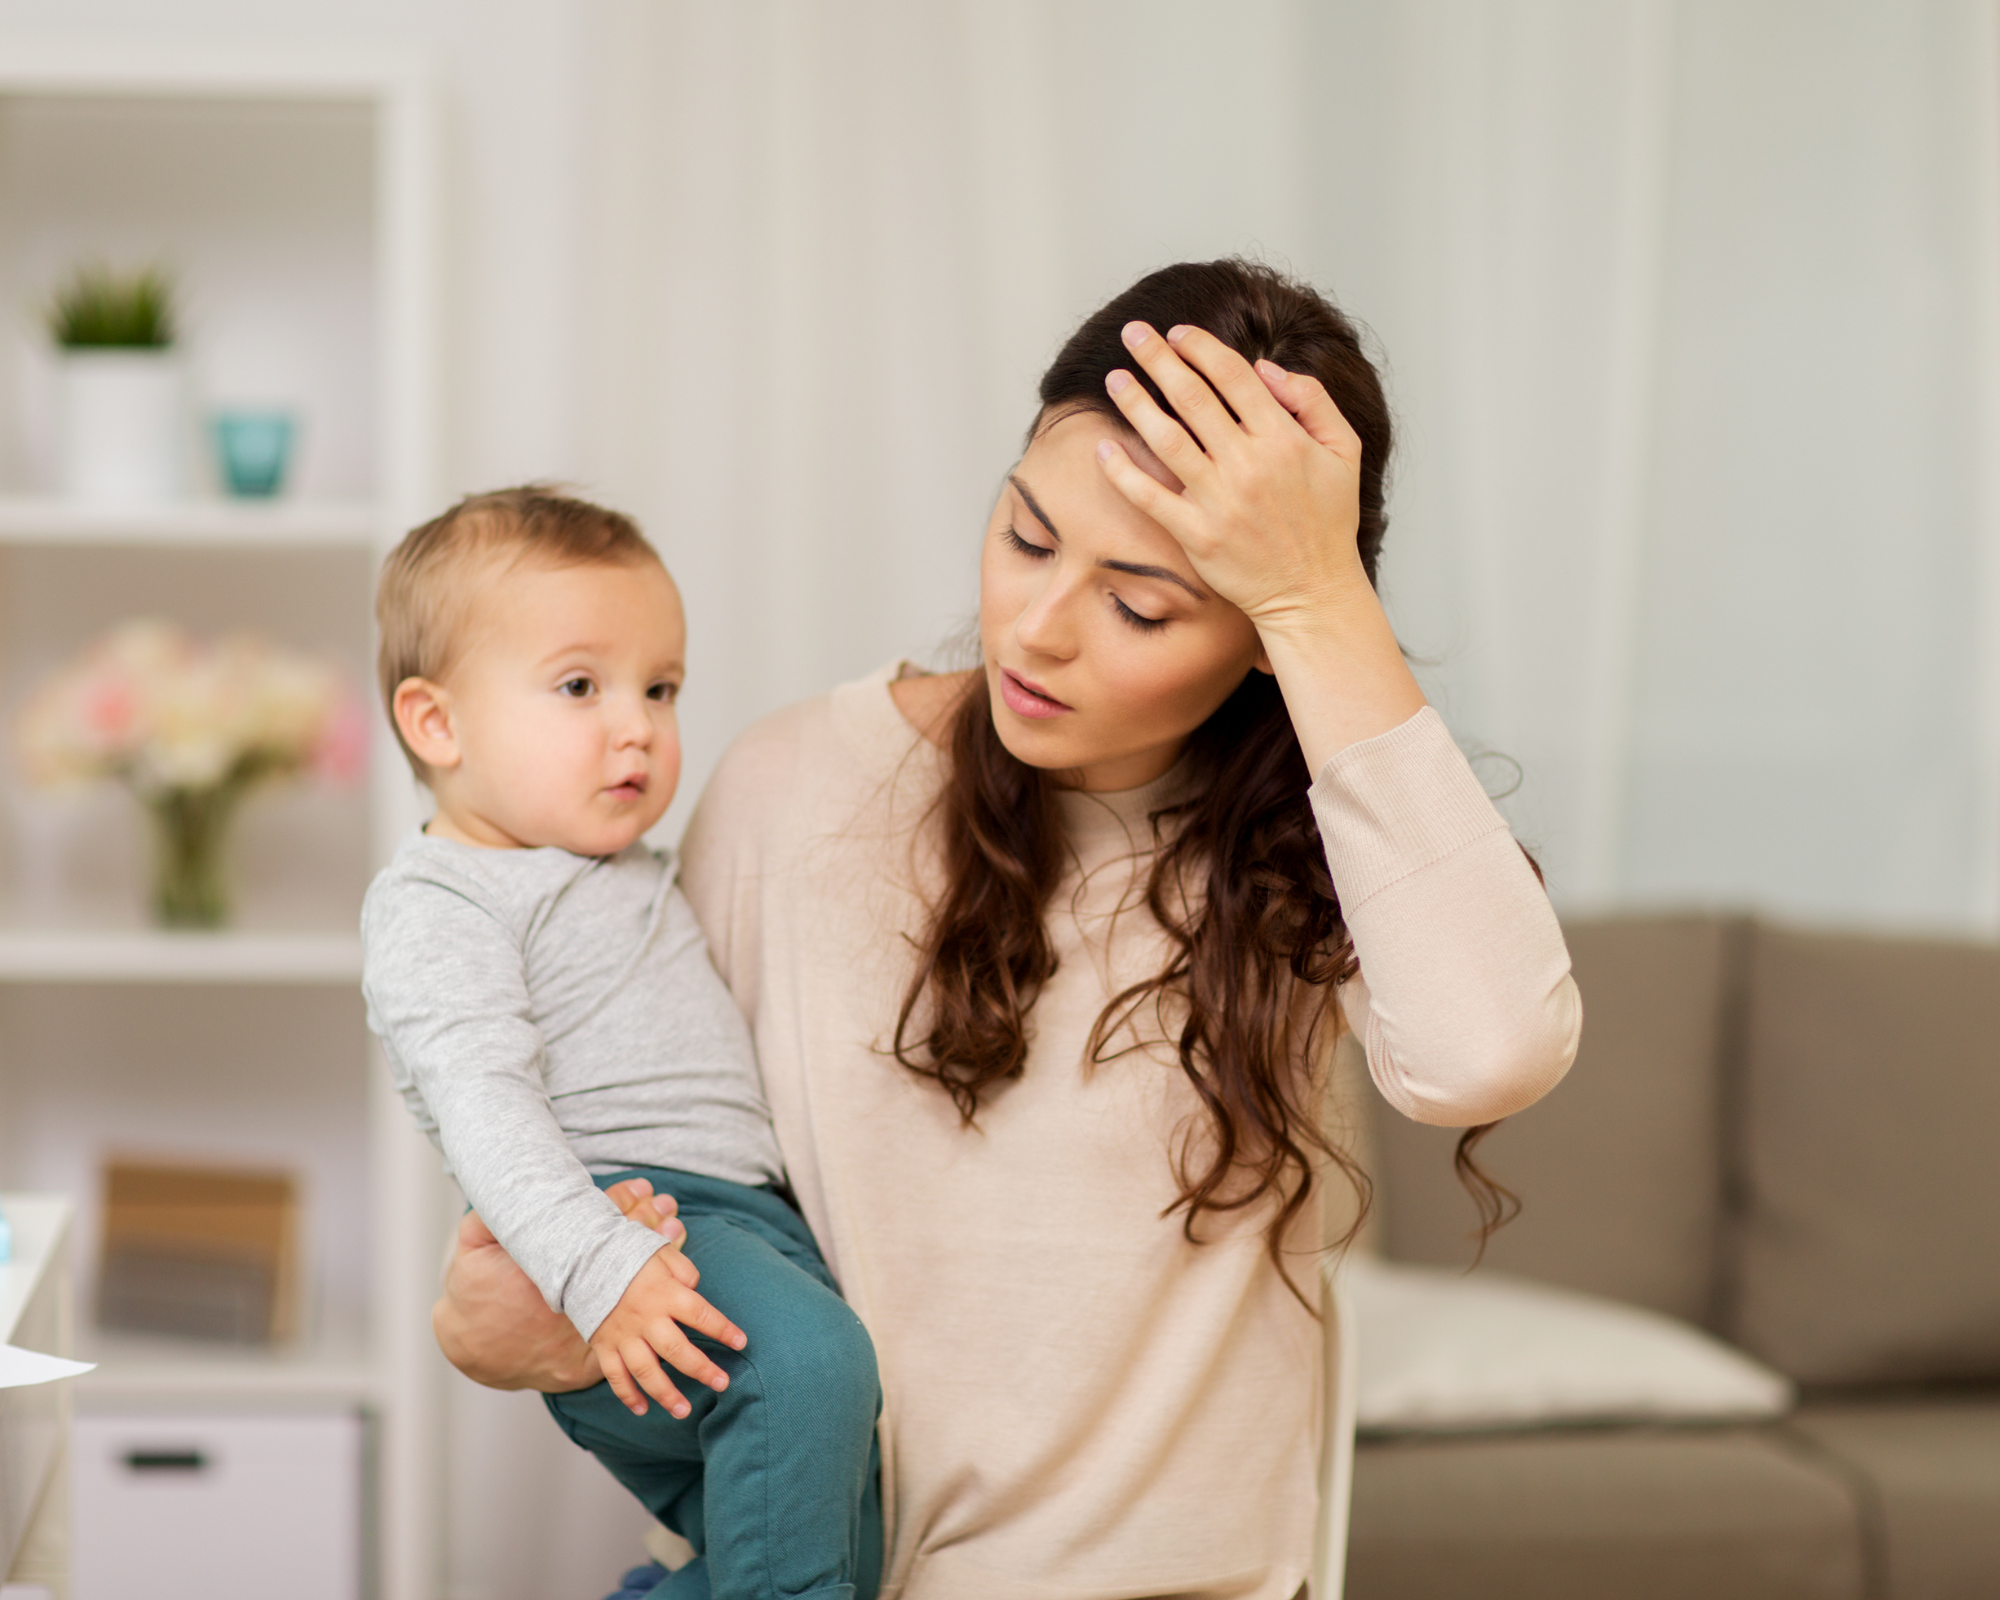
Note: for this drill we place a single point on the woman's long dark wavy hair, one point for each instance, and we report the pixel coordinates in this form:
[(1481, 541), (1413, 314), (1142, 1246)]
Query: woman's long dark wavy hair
[(1239, 881)]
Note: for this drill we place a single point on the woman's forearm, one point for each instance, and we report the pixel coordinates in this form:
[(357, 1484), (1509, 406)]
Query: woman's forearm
[(1341, 671), (1465, 1005)]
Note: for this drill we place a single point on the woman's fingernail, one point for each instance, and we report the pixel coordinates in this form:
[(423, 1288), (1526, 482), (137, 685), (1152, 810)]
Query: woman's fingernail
[(1270, 369), (1177, 333), (1103, 449), (1135, 334), (1118, 380)]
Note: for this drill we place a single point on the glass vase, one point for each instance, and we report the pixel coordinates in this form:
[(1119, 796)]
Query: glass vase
[(190, 838)]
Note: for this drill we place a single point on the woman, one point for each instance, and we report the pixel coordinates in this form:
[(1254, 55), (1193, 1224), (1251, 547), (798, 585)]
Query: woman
[(1044, 961)]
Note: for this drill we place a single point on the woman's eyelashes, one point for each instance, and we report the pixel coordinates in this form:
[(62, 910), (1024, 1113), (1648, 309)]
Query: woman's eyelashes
[(1037, 552), (1143, 624), (1021, 546)]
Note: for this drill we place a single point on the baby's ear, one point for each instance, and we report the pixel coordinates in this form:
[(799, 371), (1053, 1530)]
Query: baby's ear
[(423, 717)]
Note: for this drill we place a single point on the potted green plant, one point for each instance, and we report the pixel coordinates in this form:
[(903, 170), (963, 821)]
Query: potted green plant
[(123, 425)]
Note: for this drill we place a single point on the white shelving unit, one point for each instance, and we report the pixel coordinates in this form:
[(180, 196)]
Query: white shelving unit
[(296, 199), (217, 524), (67, 956)]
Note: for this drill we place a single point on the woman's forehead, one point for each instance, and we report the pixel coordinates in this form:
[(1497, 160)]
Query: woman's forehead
[(1067, 489)]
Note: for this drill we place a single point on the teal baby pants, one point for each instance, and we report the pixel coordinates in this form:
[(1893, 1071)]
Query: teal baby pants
[(776, 1482)]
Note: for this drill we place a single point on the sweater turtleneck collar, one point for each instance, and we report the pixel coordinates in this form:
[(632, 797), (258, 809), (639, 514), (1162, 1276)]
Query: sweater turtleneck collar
[(1122, 818)]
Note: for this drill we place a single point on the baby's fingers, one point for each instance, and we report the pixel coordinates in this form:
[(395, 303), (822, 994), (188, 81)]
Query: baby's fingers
[(620, 1379), (676, 1262), (647, 1372), (690, 1309), (683, 1354)]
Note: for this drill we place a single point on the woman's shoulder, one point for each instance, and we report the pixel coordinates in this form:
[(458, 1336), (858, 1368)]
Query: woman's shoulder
[(807, 753), (851, 719)]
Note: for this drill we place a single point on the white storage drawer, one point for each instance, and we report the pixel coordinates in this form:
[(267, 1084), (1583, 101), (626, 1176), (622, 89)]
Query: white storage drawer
[(217, 1507)]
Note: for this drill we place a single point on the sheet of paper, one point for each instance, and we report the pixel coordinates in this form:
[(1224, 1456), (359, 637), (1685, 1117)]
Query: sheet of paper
[(21, 1367)]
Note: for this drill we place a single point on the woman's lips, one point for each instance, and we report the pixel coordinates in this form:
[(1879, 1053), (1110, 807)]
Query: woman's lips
[(1026, 701)]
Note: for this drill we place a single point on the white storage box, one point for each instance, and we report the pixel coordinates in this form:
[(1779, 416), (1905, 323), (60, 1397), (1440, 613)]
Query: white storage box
[(217, 1507)]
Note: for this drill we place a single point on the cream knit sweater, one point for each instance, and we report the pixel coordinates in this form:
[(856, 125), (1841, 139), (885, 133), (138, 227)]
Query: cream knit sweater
[(1079, 1404)]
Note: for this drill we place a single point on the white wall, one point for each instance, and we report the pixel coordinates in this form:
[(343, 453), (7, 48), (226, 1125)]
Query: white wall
[(1686, 305)]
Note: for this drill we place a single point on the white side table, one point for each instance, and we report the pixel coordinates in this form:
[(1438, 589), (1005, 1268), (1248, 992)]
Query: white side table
[(34, 1421)]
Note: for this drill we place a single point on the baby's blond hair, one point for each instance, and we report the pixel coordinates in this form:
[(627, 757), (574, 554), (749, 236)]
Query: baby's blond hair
[(422, 598)]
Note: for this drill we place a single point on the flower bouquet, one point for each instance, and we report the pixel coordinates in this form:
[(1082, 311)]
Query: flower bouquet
[(190, 727)]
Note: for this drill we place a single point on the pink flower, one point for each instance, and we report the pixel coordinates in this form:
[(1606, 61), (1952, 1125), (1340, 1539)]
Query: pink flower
[(341, 755), (110, 708)]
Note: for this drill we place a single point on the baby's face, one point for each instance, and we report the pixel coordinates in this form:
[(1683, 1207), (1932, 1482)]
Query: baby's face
[(562, 709)]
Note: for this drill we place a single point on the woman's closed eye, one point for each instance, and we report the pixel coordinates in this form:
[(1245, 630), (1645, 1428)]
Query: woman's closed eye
[(1015, 542), (1143, 624)]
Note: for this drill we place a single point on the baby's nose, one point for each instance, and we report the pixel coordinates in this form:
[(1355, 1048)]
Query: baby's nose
[(634, 726)]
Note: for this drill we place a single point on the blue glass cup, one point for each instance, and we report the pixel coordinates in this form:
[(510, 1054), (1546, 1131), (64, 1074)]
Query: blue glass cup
[(253, 449)]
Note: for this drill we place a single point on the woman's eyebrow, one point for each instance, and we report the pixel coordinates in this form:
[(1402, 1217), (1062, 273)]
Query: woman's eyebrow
[(1137, 569), (1035, 506)]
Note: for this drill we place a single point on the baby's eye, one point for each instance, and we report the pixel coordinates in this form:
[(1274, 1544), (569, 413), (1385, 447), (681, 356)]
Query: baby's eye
[(669, 692), (577, 688)]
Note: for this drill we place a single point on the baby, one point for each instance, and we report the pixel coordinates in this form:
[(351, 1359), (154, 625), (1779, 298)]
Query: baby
[(550, 1013)]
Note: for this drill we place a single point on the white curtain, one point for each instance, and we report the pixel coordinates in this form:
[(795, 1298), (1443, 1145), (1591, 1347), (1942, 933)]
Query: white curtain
[(1691, 307)]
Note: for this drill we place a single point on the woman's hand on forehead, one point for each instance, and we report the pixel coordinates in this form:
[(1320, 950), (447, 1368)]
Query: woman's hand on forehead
[(1268, 511), (1271, 495)]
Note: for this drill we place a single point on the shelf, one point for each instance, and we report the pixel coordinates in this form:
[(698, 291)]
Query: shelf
[(37, 1222), (218, 524), (132, 1367), (68, 955)]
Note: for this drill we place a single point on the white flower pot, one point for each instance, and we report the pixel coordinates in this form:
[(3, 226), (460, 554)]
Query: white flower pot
[(124, 427)]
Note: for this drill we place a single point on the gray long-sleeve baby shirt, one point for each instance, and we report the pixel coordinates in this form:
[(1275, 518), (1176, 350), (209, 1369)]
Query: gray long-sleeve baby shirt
[(548, 1016)]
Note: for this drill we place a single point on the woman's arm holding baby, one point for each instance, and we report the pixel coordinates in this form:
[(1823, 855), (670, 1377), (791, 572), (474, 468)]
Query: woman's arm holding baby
[(493, 1325)]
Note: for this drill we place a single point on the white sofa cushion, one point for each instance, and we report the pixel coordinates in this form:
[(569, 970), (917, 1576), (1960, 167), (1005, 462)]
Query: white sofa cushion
[(1441, 1352)]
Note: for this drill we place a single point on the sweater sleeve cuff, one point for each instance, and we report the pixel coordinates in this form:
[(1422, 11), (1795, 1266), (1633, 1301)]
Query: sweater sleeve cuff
[(1392, 805), (599, 1282)]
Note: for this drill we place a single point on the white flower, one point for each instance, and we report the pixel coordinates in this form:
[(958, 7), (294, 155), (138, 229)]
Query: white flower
[(163, 711)]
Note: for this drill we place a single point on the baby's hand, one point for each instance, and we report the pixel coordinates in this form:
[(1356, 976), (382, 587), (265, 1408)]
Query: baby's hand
[(645, 1325), (636, 1199)]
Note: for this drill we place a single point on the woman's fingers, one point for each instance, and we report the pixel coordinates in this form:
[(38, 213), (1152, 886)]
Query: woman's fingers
[(1201, 409), (1305, 397), (1231, 375), (1145, 491), (636, 1199)]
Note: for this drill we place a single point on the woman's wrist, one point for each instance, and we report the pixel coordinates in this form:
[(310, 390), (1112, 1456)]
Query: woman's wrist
[(1341, 671)]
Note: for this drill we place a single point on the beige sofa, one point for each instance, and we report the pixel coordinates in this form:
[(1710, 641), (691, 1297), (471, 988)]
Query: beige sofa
[(1792, 1140)]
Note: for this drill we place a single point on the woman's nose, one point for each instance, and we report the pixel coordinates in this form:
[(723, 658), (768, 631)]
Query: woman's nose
[(1047, 626)]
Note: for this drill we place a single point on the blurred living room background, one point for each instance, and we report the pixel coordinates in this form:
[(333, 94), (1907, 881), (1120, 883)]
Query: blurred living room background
[(1690, 313)]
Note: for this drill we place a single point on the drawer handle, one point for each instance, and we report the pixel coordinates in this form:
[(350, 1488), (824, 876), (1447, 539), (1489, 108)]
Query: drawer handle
[(165, 1461)]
